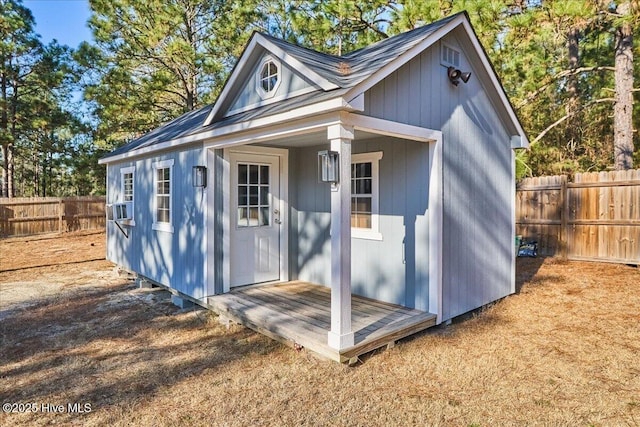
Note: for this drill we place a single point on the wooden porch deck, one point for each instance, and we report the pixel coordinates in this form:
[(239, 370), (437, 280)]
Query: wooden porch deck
[(300, 313)]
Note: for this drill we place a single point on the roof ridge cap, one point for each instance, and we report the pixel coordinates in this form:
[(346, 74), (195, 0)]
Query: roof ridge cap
[(420, 28), (317, 52)]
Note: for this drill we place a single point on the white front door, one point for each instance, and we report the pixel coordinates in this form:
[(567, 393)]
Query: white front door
[(255, 219)]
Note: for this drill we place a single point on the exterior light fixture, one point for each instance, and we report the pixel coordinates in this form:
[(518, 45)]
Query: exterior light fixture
[(455, 75), (199, 176), (328, 167)]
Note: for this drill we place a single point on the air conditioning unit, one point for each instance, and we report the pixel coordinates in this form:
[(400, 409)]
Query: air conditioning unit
[(120, 211)]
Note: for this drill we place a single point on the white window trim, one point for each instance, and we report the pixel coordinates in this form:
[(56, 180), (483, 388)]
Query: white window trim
[(445, 63), (132, 171), (162, 226), (264, 94), (372, 233)]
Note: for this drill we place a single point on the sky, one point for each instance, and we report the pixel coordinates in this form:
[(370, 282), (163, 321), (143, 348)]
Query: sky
[(63, 20)]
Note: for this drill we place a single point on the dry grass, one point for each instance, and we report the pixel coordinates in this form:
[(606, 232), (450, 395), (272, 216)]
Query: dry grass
[(565, 350)]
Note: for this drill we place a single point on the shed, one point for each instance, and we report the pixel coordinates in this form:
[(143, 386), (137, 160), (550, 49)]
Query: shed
[(334, 202)]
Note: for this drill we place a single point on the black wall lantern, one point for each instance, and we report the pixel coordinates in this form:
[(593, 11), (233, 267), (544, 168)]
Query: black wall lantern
[(199, 176), (456, 75), (328, 167)]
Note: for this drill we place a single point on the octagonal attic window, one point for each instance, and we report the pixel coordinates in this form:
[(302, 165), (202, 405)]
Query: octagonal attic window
[(268, 77)]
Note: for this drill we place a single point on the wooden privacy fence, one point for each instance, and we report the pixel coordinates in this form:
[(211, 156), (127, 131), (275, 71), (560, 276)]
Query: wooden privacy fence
[(25, 216), (596, 217)]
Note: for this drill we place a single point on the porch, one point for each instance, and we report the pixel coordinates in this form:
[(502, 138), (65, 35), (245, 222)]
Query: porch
[(274, 220), (299, 313)]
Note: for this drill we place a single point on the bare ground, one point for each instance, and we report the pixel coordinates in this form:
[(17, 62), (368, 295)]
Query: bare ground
[(565, 350)]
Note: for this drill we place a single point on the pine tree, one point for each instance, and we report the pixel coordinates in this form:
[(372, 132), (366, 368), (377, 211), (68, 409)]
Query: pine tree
[(335, 26), (20, 50), (623, 112), (157, 59)]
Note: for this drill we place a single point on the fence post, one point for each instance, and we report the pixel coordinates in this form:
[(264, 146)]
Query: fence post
[(60, 214), (564, 217)]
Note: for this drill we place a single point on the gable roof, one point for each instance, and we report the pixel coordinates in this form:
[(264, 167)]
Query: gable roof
[(330, 72), (350, 69), (334, 77)]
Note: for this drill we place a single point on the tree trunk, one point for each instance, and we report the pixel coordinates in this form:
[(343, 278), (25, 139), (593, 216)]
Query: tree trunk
[(10, 170), (4, 132), (36, 172), (623, 110), (49, 190), (4, 191), (572, 133), (191, 83)]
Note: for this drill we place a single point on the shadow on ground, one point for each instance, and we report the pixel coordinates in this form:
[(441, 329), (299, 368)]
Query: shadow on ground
[(111, 345)]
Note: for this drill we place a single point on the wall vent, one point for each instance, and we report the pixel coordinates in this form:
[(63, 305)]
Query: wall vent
[(449, 56)]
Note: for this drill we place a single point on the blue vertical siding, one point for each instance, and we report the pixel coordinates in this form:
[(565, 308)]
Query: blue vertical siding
[(173, 259), (477, 190), (310, 217), (478, 193), (387, 270)]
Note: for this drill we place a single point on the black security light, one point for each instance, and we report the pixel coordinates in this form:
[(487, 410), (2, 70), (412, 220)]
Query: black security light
[(455, 75)]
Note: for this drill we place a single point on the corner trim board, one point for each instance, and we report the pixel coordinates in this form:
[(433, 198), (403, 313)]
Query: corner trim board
[(435, 227)]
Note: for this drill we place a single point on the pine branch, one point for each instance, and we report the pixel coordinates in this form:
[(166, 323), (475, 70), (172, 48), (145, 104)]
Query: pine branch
[(370, 25), (559, 76), (567, 116)]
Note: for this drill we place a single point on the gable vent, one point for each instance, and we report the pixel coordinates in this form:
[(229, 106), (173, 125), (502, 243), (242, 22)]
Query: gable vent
[(450, 56)]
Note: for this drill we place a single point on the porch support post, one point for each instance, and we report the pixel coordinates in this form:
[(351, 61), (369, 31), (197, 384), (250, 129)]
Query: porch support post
[(341, 336)]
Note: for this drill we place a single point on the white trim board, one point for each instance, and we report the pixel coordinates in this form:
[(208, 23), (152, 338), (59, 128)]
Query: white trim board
[(230, 83), (372, 233), (258, 77), (497, 86), (123, 171), (323, 83), (281, 130), (157, 225), (390, 128), (418, 48), (311, 112), (259, 40), (271, 100), (430, 40), (210, 224), (286, 125), (435, 227)]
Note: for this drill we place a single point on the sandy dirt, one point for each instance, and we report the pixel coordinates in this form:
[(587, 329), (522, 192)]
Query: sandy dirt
[(37, 267), (81, 345)]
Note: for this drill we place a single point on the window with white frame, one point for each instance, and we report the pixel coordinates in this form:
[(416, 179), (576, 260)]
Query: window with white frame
[(127, 183), (365, 195), (163, 172), (268, 77)]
